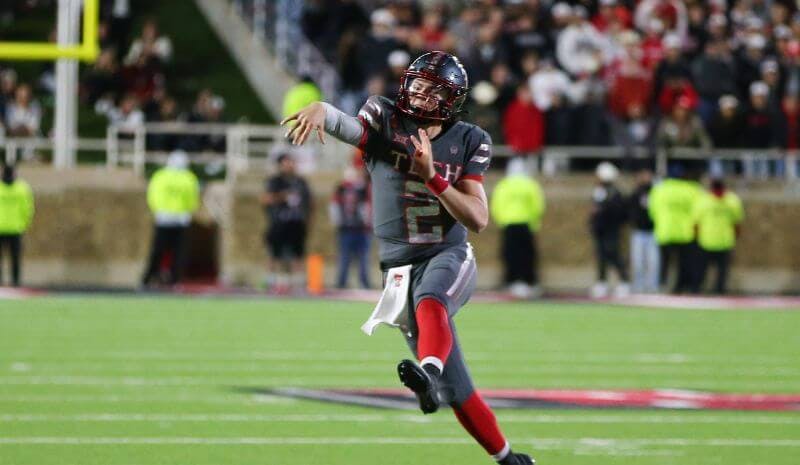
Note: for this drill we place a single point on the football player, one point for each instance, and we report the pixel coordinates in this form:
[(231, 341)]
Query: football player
[(427, 170)]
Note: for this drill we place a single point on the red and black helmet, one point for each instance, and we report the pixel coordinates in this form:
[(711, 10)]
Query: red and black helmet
[(449, 89)]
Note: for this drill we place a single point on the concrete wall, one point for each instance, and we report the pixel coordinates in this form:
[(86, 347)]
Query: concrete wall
[(92, 227)]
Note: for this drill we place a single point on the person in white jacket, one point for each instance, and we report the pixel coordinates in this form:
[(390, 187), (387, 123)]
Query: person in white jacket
[(581, 49), (548, 84)]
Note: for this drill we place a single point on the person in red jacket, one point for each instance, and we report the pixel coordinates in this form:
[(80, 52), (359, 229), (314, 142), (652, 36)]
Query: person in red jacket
[(523, 123)]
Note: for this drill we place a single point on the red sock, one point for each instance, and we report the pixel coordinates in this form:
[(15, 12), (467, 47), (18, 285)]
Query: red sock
[(477, 418), (435, 339)]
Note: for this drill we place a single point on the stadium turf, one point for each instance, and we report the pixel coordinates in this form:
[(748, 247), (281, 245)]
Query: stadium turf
[(148, 381)]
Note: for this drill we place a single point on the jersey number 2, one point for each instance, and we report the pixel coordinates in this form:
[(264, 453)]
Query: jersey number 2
[(413, 214)]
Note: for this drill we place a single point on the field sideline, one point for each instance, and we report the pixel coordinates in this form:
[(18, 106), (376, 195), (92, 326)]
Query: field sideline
[(147, 381)]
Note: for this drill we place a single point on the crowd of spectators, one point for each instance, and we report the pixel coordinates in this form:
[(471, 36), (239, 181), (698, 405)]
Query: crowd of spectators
[(634, 73), (129, 83)]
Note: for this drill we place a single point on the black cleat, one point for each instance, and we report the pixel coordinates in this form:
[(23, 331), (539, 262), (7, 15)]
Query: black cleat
[(517, 459), (423, 385)]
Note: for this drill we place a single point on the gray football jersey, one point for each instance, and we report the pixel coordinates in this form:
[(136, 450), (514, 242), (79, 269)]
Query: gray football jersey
[(408, 220)]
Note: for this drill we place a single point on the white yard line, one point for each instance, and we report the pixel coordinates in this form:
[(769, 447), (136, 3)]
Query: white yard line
[(654, 420), (255, 367), (119, 398), (325, 354), (347, 380), (561, 443)]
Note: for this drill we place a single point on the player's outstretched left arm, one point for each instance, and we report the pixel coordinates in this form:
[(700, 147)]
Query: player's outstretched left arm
[(466, 201)]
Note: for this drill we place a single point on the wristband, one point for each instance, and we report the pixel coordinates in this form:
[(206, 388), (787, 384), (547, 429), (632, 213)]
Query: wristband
[(437, 184)]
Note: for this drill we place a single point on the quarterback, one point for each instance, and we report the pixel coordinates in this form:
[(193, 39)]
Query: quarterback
[(427, 170)]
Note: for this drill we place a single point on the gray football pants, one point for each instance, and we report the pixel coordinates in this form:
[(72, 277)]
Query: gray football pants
[(449, 277)]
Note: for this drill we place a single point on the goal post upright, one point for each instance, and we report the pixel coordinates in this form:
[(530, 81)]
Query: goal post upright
[(66, 52)]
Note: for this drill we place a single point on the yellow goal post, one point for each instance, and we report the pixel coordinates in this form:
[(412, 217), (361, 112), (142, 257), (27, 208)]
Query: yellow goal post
[(87, 50)]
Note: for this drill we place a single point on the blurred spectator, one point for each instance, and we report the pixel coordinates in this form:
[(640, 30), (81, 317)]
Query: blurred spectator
[(302, 94), (488, 49), (611, 13), (749, 62), (791, 130), (398, 63), (517, 206), (761, 130), (644, 248), (465, 28), (580, 48), (727, 128), (608, 216), (524, 35), (432, 31), (652, 45), (560, 17), (376, 46), (172, 195), (629, 96), (549, 85), (672, 75), (482, 110), (672, 202), (151, 46), (697, 33), (23, 115), (16, 213), (682, 128), (350, 214), (102, 79), (588, 98), (771, 76), (635, 129), (714, 73), (8, 87), (717, 216), (551, 88), (505, 84), (672, 13), (324, 22), (127, 116), (523, 123), (287, 201), (717, 28), (162, 109), (119, 16), (142, 78)]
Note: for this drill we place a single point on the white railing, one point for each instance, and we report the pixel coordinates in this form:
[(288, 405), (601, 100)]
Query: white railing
[(242, 144), (245, 144)]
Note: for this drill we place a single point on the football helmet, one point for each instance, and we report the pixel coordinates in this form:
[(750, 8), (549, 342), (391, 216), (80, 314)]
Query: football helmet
[(433, 87)]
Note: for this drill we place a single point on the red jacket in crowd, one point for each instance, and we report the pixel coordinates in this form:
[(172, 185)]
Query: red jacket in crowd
[(523, 126), (629, 90)]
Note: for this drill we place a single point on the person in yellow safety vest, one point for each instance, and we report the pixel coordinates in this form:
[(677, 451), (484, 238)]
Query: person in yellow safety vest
[(173, 195), (16, 213), (671, 208), (300, 96), (717, 217), (517, 206)]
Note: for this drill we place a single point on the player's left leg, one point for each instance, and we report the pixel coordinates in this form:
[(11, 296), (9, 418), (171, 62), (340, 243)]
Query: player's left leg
[(438, 288)]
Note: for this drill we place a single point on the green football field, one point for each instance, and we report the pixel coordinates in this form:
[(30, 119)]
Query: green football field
[(148, 381)]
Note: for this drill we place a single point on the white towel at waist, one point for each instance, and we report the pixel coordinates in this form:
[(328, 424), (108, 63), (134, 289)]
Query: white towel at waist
[(392, 307)]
